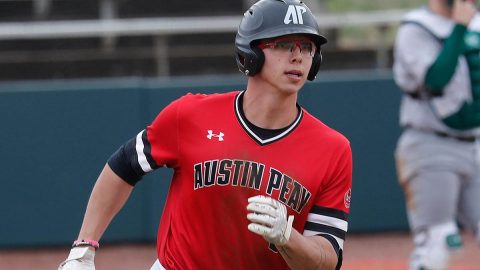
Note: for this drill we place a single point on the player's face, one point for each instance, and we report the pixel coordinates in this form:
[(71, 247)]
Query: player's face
[(287, 61)]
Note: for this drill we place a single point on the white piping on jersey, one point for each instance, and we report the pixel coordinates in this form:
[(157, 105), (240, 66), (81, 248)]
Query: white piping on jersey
[(313, 233), (142, 159), (237, 109)]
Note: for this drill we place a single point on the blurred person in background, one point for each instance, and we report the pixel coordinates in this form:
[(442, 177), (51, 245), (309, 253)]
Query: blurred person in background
[(437, 65), (259, 183)]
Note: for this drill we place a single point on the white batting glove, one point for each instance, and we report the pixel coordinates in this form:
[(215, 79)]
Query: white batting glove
[(80, 258), (269, 219)]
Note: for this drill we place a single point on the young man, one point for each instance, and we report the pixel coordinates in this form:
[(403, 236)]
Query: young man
[(258, 183), (437, 65)]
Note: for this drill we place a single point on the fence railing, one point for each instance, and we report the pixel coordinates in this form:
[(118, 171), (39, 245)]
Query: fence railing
[(108, 30), (173, 25)]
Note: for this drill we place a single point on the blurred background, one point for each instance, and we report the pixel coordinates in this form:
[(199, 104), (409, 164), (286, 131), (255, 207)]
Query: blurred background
[(64, 39), (79, 78)]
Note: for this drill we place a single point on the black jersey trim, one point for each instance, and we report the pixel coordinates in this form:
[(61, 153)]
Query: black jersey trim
[(330, 212), (253, 135), (321, 228), (133, 159), (121, 163)]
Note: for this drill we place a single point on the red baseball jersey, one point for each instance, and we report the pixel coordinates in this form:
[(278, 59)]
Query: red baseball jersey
[(219, 163)]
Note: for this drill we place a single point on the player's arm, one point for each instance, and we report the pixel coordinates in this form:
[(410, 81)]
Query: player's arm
[(443, 69), (112, 189), (124, 169), (309, 252), (107, 198), (320, 246), (269, 219)]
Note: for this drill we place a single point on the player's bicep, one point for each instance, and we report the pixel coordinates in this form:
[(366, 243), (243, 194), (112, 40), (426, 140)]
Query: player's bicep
[(150, 149), (133, 159)]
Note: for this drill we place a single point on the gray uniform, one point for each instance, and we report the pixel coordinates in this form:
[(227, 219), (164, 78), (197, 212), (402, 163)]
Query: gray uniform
[(437, 165)]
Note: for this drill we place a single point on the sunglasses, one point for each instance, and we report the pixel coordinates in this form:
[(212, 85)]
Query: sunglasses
[(306, 47)]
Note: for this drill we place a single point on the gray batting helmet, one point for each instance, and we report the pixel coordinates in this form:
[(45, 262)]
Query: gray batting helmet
[(274, 18)]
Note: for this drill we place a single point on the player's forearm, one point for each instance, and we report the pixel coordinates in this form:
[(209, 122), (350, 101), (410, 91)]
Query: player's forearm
[(312, 253), (108, 197), (443, 69)]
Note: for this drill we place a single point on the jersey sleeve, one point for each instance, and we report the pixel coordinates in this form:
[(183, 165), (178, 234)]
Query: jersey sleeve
[(329, 215), (442, 70), (151, 148)]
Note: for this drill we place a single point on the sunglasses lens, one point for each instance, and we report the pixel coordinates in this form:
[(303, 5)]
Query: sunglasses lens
[(306, 47), (285, 45)]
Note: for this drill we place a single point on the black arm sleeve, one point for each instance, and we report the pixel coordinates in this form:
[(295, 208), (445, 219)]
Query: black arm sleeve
[(124, 163)]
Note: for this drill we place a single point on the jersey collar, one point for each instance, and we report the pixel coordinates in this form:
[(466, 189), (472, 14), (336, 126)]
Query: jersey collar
[(251, 132)]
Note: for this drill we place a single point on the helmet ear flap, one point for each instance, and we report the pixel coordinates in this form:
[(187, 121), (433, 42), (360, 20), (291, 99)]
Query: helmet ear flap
[(251, 62), (316, 62)]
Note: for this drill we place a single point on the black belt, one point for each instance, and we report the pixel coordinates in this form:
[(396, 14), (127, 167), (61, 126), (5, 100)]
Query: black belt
[(460, 138), (446, 135)]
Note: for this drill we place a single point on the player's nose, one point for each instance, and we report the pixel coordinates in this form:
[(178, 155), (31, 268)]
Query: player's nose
[(296, 54)]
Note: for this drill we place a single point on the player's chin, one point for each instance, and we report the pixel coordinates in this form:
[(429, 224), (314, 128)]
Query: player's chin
[(291, 90), (293, 85)]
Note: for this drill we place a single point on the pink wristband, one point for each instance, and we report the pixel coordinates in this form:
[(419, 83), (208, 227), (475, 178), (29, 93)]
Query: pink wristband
[(81, 243)]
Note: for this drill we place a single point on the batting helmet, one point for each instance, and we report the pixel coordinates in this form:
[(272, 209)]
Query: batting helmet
[(274, 18)]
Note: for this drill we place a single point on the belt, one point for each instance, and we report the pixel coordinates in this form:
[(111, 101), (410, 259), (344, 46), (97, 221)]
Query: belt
[(460, 138), (446, 135)]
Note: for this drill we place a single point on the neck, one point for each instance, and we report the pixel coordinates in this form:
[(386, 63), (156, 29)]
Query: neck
[(269, 108)]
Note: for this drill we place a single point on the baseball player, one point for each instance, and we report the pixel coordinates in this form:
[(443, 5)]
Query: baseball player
[(437, 65), (258, 183)]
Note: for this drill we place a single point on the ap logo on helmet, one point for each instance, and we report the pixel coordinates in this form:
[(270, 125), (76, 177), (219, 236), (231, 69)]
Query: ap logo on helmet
[(294, 14)]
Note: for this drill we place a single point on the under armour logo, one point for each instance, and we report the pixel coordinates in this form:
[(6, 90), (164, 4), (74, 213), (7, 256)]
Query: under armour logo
[(219, 136), (294, 14)]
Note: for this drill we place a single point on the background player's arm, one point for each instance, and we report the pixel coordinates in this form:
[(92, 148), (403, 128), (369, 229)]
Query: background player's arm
[(108, 197), (444, 67), (308, 252)]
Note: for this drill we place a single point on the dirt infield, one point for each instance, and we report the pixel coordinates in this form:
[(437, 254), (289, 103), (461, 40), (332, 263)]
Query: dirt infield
[(362, 252), (391, 251)]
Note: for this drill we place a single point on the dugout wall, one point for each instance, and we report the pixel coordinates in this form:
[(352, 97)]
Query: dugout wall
[(55, 138)]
